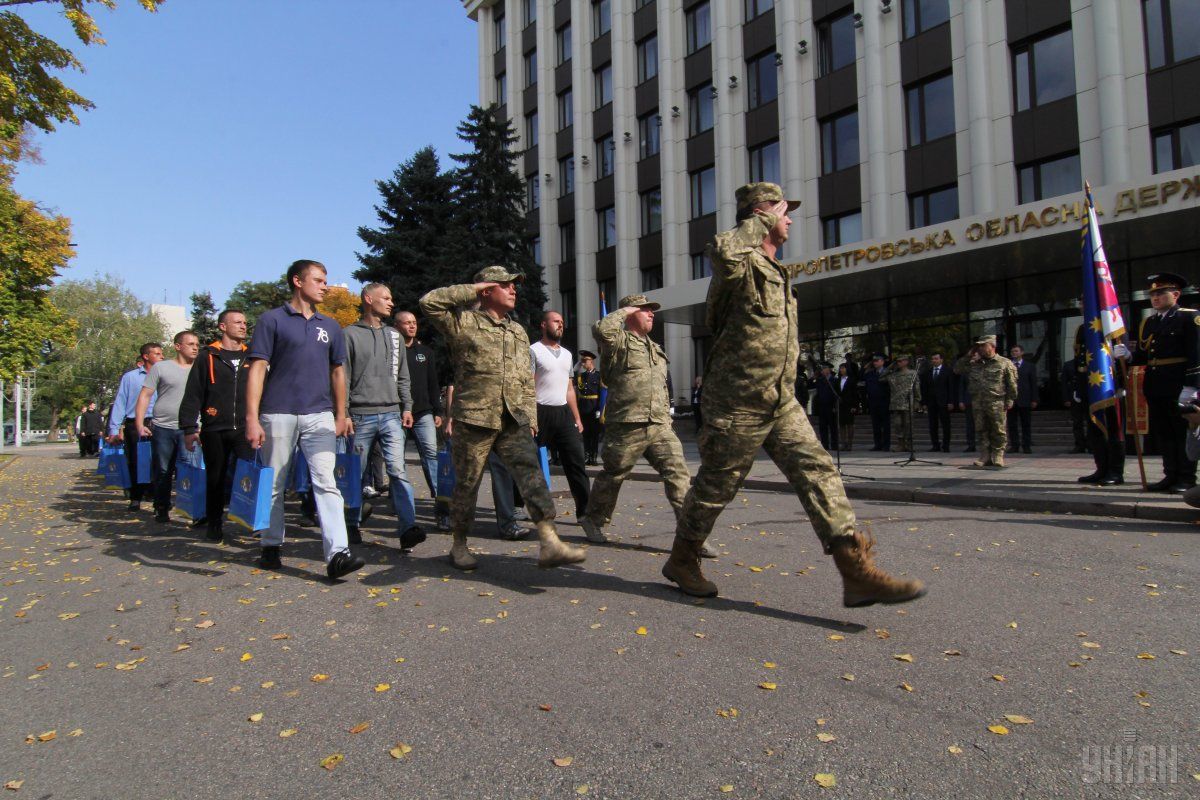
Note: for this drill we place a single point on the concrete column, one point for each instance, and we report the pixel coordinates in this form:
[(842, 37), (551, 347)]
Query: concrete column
[(979, 112), (629, 229), (1110, 83), (548, 215), (874, 123), (587, 298), (791, 118), (672, 156), (728, 107)]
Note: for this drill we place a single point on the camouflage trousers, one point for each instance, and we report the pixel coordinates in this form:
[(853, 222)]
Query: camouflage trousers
[(902, 428), (990, 429), (469, 449), (624, 444), (728, 445)]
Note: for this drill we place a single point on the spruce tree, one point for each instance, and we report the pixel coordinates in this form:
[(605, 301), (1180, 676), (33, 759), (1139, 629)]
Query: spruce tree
[(204, 317), (490, 208)]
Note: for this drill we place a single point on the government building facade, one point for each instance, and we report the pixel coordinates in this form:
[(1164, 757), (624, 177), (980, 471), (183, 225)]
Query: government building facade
[(939, 148)]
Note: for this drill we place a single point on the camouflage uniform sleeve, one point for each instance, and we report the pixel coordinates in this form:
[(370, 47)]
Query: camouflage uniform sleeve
[(608, 331), (962, 365), (1010, 382), (729, 250), (529, 391), (443, 307)]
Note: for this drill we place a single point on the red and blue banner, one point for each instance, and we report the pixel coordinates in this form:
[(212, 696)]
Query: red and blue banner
[(1103, 323)]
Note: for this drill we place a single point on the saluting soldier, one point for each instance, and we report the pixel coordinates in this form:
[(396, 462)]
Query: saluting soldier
[(904, 393), (992, 382), (1169, 349), (494, 406), (587, 395), (751, 404)]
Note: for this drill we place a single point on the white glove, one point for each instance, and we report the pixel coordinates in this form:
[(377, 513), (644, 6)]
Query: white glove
[(1187, 394), (1120, 351), (597, 415)]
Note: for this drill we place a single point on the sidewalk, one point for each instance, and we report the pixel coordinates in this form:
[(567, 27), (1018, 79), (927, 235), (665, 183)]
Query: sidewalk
[(1039, 482)]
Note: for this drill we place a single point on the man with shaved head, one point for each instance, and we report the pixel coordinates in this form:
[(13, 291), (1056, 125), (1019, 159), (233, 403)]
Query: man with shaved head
[(559, 425), (426, 396)]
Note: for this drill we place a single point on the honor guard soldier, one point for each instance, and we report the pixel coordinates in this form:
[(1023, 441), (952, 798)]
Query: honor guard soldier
[(1168, 347), (587, 395)]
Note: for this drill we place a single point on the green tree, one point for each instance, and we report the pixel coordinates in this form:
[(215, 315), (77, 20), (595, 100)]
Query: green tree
[(489, 219), (204, 317), (30, 91), (255, 297), (111, 324)]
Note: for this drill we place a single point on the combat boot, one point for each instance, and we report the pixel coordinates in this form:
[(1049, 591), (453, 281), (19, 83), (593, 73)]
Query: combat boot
[(555, 552), (460, 555), (683, 568), (863, 583), (594, 532), (997, 459)]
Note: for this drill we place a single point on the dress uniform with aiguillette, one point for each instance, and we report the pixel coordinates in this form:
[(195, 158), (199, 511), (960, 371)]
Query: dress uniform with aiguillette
[(587, 395)]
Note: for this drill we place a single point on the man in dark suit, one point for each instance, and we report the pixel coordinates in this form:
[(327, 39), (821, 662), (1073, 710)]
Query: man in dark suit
[(938, 390), (825, 407), (1020, 415), (878, 399)]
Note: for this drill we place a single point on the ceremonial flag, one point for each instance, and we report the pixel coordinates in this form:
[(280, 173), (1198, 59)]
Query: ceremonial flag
[(1102, 320), (603, 388)]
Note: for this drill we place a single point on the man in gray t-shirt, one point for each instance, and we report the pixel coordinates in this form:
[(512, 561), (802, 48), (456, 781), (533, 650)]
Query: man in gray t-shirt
[(166, 380)]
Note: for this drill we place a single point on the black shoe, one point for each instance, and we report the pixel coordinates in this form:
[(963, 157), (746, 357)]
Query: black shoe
[(946, 449), (1095, 477), (1162, 486), (1027, 450), (270, 557), (134, 505), (308, 520), (353, 535), (343, 564), (1180, 488), (367, 510), (1112, 480), (199, 523), (214, 534), (162, 516), (969, 448), (411, 537)]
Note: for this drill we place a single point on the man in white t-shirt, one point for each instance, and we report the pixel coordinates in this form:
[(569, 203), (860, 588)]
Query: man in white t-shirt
[(559, 425), (165, 382)]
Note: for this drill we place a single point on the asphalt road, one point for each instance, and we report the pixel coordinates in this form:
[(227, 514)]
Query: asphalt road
[(1086, 627)]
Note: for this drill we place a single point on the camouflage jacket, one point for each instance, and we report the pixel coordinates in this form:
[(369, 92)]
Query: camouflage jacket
[(634, 368), (989, 379), (903, 385), (751, 366), (492, 371)]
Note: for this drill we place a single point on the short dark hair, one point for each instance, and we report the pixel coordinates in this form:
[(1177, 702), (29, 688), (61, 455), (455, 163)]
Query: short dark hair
[(147, 347), (221, 317), (299, 268), (939, 354), (179, 337)]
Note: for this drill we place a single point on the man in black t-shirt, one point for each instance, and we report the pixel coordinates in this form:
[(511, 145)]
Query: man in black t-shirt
[(426, 410)]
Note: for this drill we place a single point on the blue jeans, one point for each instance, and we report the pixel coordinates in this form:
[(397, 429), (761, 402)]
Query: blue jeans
[(389, 430), (425, 432), (502, 493), (165, 444)]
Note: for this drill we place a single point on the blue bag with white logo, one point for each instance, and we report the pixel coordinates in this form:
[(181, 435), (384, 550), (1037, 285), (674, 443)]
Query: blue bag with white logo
[(105, 450), (145, 461), (301, 481), (191, 484), (116, 468), (445, 475), (250, 503), (544, 458), (347, 472)]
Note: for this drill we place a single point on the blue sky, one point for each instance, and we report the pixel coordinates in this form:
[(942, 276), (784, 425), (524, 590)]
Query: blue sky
[(231, 137)]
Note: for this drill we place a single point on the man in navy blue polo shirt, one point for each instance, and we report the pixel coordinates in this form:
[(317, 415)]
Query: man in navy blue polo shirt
[(296, 392)]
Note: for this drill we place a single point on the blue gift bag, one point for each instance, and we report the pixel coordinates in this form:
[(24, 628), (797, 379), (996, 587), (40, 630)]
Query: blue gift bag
[(250, 503), (191, 484), (544, 458), (445, 475), (301, 481), (116, 468), (347, 472), (105, 450), (145, 461)]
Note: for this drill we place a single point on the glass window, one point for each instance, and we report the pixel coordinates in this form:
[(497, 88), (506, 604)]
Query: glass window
[(566, 241), (762, 74), (700, 109), (839, 142), (562, 41), (701, 265), (499, 33), (606, 227), (764, 163), (568, 307), (606, 153), (531, 129), (652, 278), (647, 58), (601, 18), (930, 110), (533, 196), (1044, 70), (566, 175), (603, 82), (651, 211), (1176, 148), (756, 7), (698, 22), (1172, 31), (921, 15), (535, 250), (844, 229), (642, 4), (835, 43), (933, 207), (530, 68), (502, 88), (1051, 178), (608, 290), (703, 184), (649, 134), (566, 110), (528, 12)]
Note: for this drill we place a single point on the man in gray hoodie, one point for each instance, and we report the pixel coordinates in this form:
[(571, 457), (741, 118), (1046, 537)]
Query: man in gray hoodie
[(380, 401)]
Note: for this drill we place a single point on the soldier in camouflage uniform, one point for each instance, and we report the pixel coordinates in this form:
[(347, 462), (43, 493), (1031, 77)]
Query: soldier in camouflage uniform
[(752, 403), (992, 383), (905, 394), (494, 406), (638, 412)]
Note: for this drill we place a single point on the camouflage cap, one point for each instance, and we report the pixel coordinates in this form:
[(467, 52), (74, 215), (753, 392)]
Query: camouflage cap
[(498, 275), (989, 339), (751, 194), (638, 300)]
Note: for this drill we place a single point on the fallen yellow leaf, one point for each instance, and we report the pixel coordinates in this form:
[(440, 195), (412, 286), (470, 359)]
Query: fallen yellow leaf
[(48, 736), (825, 737), (400, 750), (825, 780), (320, 678), (1146, 656), (382, 687), (955, 749), (904, 657), (360, 727), (1091, 645), (246, 657), (14, 785), (770, 687), (267, 684), (641, 631), (67, 616), (1180, 652), (836, 637), (848, 676), (564, 761), (1017, 719), (770, 664), (583, 789), (906, 687), (256, 717), (998, 678), (330, 762), (726, 788), (208, 623), (285, 734), (999, 730), (76, 732), (182, 647)]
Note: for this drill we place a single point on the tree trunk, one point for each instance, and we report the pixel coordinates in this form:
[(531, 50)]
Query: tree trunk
[(52, 436)]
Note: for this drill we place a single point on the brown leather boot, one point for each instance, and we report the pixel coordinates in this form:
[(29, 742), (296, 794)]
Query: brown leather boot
[(460, 555), (683, 568), (863, 583), (555, 552)]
